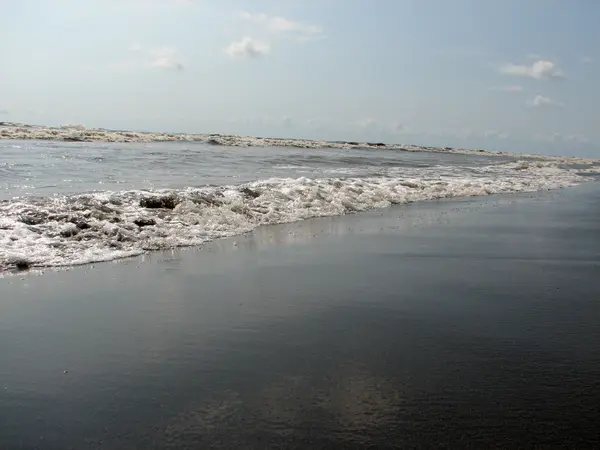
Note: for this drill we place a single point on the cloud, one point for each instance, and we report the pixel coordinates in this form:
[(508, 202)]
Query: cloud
[(4, 112), (509, 88), (248, 47), (540, 69), (558, 137), (165, 58), (539, 101), (159, 57), (268, 29), (276, 25), (587, 59)]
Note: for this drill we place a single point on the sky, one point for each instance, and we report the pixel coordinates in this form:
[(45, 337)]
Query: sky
[(513, 75)]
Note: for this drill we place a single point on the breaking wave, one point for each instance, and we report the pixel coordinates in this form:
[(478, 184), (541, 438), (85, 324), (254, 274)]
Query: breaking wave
[(102, 226)]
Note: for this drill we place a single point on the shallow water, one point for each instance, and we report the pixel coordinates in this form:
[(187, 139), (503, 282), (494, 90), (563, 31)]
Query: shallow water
[(75, 203), (46, 168)]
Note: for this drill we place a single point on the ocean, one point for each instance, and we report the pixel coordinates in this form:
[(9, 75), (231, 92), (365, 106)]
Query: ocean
[(68, 203), (285, 297)]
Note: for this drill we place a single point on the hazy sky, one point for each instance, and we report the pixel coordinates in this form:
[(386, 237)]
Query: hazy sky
[(518, 75)]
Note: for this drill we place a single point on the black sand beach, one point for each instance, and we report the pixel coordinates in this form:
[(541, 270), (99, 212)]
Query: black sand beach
[(451, 324)]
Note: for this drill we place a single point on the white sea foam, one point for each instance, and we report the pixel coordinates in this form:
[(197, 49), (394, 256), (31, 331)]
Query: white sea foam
[(103, 226)]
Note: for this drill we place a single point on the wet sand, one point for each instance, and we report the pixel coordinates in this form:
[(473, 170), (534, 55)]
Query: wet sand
[(451, 324)]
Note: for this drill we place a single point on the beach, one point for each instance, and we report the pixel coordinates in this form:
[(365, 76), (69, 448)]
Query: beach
[(299, 225), (453, 323)]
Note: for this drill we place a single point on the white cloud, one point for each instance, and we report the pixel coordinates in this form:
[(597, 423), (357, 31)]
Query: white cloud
[(276, 25), (268, 29), (165, 58), (539, 101), (160, 57), (3, 112), (587, 59), (509, 88), (248, 47), (539, 69)]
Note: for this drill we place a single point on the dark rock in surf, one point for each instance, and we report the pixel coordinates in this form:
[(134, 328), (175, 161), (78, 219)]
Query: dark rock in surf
[(376, 144), (80, 224), (34, 218), (167, 202), (69, 231), (22, 264), (249, 192), (144, 222)]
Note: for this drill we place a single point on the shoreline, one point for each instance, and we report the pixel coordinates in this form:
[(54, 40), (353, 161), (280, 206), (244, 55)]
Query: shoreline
[(139, 231), (462, 320), (80, 133), (292, 232)]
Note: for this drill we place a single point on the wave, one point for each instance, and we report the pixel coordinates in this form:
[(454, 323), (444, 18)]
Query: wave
[(80, 133), (102, 226)]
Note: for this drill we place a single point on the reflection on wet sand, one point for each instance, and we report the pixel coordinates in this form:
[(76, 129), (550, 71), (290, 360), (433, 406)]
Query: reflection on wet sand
[(350, 407)]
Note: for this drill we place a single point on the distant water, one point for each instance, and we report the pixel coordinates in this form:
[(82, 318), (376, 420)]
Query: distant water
[(67, 203)]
